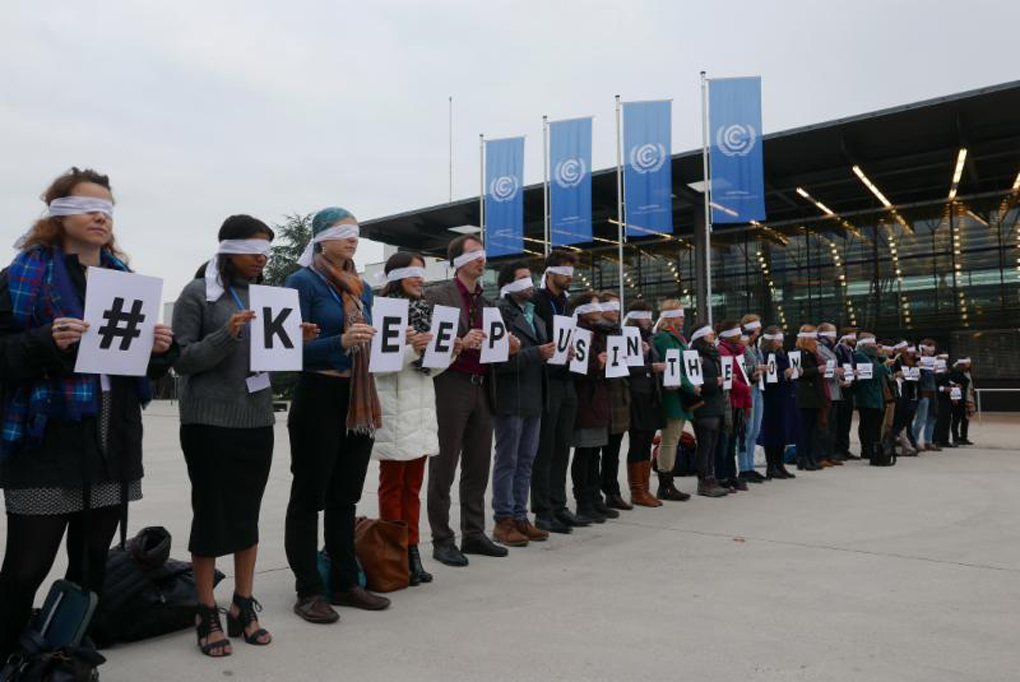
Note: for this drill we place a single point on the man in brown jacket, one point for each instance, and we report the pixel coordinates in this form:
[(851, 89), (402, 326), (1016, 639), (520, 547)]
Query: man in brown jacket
[(464, 399)]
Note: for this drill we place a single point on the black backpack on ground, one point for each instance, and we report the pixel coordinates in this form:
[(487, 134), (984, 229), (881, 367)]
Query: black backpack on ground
[(146, 593)]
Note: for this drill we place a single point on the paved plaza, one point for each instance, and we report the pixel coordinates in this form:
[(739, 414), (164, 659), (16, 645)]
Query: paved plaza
[(856, 573)]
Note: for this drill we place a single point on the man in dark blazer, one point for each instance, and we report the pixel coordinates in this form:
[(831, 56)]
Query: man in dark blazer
[(518, 408), (464, 399)]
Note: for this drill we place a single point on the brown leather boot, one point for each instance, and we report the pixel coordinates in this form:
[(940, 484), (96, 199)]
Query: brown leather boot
[(505, 533), (637, 475), (528, 530)]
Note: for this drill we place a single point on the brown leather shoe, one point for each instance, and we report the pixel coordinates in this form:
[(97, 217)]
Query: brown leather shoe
[(505, 533), (359, 598), (314, 609), (528, 530)]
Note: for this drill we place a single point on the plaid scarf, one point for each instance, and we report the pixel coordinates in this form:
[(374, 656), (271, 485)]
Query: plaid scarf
[(41, 290), (364, 413), (420, 319)]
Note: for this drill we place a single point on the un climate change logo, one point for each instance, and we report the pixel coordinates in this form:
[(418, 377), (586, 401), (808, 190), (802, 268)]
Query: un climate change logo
[(648, 158), (569, 173), (736, 139), (504, 188)]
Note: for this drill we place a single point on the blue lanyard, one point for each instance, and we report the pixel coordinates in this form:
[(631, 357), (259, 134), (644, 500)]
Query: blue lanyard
[(237, 300), (329, 288)]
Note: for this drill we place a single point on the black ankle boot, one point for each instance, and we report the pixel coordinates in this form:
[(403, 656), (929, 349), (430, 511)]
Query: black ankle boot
[(415, 569)]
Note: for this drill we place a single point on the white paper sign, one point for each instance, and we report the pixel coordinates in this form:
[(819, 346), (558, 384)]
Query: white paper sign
[(439, 352), (794, 356), (496, 346), (864, 370), (955, 393), (912, 373), (928, 363), (848, 372), (727, 371), (276, 329), (692, 367), (671, 377), (563, 333), (122, 309), (635, 352), (616, 357), (772, 375), (940, 366), (743, 371), (389, 317), (582, 346), (830, 369)]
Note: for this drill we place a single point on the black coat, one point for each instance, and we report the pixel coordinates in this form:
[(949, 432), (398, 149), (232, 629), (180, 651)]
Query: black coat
[(646, 392), (522, 377), (547, 306), (716, 401), (69, 450), (811, 391)]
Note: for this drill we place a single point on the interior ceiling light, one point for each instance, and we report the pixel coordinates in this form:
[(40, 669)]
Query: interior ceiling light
[(871, 186), (822, 207), (961, 157)]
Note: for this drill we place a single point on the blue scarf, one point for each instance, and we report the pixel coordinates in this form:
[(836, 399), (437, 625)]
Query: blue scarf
[(41, 290)]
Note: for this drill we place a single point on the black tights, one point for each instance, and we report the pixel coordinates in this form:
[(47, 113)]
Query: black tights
[(32, 545)]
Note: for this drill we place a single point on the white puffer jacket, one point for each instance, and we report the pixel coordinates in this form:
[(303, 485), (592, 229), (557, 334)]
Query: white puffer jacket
[(408, 402)]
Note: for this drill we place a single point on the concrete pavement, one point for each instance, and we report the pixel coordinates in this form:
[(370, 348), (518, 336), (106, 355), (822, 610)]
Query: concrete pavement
[(855, 573)]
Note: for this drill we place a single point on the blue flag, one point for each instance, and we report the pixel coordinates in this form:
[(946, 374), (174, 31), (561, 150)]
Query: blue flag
[(647, 172), (570, 187), (738, 184), (504, 196)]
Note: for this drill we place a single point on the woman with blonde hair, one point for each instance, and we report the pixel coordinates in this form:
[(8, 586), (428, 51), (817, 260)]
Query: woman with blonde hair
[(812, 399)]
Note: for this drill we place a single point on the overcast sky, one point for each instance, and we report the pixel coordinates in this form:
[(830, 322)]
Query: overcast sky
[(201, 109)]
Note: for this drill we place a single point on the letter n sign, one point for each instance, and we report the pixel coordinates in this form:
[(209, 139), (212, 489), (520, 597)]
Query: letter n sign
[(275, 332)]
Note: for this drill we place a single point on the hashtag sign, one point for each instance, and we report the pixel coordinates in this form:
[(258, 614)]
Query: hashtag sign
[(121, 323)]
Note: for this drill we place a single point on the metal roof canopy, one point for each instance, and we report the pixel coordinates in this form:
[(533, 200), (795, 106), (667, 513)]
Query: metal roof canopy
[(909, 152)]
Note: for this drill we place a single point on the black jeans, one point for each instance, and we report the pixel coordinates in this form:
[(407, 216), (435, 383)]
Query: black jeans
[(844, 417), (961, 423), (585, 461), (707, 432), (329, 466), (549, 472), (944, 419), (640, 447), (870, 430), (726, 447), (32, 545), (610, 465), (808, 435)]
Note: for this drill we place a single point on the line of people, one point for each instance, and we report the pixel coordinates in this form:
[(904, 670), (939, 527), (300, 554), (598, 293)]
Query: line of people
[(72, 443)]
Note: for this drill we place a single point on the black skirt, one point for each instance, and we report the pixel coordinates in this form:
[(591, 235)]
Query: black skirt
[(228, 469), (645, 412)]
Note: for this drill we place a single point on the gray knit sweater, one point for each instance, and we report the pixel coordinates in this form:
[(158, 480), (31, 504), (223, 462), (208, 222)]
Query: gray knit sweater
[(214, 365)]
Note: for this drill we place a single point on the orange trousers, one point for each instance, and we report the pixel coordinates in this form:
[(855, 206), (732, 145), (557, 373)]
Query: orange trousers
[(400, 493)]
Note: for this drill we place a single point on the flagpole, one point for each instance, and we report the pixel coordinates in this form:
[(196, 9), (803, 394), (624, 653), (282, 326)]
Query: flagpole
[(481, 185), (708, 198), (545, 184), (451, 149), (619, 196)]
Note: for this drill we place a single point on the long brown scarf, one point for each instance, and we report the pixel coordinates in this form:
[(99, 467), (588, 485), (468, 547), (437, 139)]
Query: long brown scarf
[(364, 413)]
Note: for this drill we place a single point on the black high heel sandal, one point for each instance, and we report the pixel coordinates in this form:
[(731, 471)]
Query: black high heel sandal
[(247, 607), (208, 623)]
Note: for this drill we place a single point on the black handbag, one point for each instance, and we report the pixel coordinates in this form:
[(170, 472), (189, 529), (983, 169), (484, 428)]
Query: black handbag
[(146, 593), (38, 661)]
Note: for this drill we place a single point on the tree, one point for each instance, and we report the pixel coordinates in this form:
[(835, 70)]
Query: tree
[(292, 237)]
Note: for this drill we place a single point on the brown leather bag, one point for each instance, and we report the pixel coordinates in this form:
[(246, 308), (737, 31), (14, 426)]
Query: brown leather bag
[(381, 547)]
